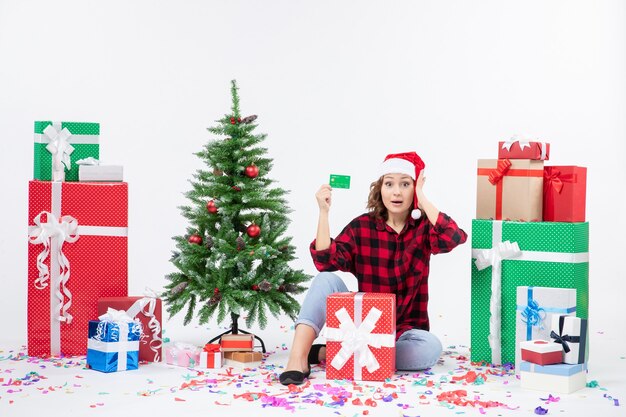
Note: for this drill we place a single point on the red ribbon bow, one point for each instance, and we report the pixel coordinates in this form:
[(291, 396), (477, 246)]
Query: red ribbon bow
[(496, 175), (553, 179), (211, 348)]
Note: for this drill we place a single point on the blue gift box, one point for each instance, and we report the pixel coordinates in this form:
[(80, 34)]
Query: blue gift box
[(113, 346)]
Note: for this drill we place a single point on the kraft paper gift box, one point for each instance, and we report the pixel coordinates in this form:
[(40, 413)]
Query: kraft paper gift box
[(541, 352), (237, 342), (243, 359), (571, 333), (509, 189), (564, 193), (59, 144), (511, 254), (182, 354), (519, 149), (148, 310), (560, 378), (113, 343), (536, 306), (210, 356), (78, 253), (360, 336)]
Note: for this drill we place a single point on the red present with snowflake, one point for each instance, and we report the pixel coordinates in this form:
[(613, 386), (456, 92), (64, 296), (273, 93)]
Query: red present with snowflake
[(78, 253), (360, 336), (148, 310)]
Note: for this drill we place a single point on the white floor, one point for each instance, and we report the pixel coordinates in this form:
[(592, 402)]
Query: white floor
[(63, 387)]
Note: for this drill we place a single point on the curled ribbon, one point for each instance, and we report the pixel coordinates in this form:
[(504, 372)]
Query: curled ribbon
[(533, 315), (52, 233), (357, 340), (496, 175), (60, 149), (140, 305)]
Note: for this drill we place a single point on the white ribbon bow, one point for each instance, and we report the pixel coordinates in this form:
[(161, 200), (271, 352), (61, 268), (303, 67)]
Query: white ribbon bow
[(356, 340), (119, 334), (493, 257), (88, 161), (60, 149), (522, 143), (52, 234)]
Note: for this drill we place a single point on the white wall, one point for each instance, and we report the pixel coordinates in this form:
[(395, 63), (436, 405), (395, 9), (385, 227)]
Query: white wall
[(336, 85)]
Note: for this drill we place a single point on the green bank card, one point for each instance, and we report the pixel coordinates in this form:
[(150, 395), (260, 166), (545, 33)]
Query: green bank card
[(339, 181)]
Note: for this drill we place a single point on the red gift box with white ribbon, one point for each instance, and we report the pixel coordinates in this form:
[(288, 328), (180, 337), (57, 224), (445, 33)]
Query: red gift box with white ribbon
[(78, 253), (360, 336)]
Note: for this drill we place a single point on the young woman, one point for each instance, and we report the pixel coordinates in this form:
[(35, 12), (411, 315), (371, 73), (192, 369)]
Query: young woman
[(388, 250)]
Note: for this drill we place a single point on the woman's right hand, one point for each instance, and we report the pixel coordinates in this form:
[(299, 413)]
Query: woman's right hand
[(324, 197)]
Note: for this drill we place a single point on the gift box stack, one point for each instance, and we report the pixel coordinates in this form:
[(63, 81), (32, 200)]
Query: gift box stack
[(360, 336), (530, 232), (239, 351), (560, 363), (78, 251)]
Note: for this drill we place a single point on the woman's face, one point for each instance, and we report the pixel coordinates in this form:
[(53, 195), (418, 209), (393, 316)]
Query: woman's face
[(397, 193)]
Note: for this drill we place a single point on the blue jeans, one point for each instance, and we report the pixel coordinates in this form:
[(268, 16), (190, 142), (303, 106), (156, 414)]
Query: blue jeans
[(416, 349)]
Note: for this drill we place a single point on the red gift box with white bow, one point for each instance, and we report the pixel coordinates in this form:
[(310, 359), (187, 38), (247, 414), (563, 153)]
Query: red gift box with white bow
[(78, 253), (360, 336)]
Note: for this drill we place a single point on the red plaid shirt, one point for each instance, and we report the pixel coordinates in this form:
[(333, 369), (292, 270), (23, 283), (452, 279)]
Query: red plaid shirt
[(385, 261)]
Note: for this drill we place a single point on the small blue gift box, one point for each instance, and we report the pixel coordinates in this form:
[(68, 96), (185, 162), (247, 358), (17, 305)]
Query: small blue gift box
[(113, 345)]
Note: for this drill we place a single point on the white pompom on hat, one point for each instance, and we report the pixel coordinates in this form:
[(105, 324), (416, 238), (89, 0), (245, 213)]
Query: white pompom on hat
[(408, 163)]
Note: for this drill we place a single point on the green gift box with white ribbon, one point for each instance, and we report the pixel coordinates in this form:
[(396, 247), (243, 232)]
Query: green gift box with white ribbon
[(58, 145), (508, 254)]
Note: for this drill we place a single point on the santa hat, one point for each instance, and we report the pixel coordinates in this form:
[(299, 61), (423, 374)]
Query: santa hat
[(408, 163)]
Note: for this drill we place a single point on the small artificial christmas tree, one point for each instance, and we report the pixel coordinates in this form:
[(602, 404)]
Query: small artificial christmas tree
[(234, 258)]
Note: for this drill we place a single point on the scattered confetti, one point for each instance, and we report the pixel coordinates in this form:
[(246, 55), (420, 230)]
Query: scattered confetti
[(541, 411)]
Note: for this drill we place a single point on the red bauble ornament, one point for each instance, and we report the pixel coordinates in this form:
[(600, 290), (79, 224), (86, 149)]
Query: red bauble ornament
[(235, 121), (253, 230), (234, 187), (211, 207), (195, 240), (255, 287), (252, 171), (216, 291)]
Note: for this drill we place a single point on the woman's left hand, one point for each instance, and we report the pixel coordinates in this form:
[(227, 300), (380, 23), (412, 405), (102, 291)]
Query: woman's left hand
[(419, 185)]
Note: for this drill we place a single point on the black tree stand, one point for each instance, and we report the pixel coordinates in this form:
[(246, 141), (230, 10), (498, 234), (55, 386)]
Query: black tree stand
[(234, 329)]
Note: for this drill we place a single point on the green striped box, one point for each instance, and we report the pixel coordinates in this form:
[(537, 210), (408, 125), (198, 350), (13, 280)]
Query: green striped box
[(552, 255), (84, 138)]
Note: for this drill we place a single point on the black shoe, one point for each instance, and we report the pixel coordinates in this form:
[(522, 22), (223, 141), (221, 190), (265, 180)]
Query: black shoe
[(314, 354), (294, 377)]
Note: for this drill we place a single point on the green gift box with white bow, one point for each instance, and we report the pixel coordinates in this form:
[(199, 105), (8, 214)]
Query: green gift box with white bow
[(507, 254), (58, 145)]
